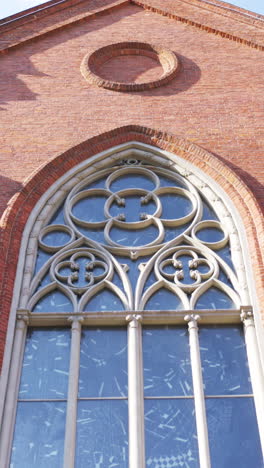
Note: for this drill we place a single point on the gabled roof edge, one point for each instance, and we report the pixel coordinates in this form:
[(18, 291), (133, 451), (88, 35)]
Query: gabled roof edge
[(234, 13)]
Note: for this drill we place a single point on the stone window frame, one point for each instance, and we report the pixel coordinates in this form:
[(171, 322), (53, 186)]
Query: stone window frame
[(20, 317)]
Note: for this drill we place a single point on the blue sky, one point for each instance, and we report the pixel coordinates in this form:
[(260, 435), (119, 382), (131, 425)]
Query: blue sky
[(14, 6)]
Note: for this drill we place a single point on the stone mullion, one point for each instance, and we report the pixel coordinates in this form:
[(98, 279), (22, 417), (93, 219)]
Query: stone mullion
[(255, 369), (135, 393), (199, 400), (71, 415), (13, 386)]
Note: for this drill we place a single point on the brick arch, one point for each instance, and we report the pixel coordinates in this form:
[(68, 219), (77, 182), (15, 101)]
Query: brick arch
[(20, 206)]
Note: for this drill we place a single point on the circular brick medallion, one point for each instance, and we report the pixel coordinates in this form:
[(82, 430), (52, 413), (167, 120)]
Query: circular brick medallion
[(90, 66)]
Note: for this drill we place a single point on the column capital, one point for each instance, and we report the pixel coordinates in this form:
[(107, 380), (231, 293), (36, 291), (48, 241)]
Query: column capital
[(134, 320), (192, 320), (246, 317), (76, 321), (22, 319)]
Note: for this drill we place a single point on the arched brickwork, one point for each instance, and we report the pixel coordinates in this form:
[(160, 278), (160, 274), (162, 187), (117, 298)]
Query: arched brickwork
[(15, 217)]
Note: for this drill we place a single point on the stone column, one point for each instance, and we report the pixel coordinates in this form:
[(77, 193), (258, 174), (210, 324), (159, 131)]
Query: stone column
[(199, 402), (255, 368), (13, 386), (70, 431), (135, 393)]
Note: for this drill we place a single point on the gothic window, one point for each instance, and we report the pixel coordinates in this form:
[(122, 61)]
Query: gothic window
[(130, 310)]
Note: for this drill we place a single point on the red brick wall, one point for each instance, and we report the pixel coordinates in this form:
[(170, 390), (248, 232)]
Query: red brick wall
[(47, 108)]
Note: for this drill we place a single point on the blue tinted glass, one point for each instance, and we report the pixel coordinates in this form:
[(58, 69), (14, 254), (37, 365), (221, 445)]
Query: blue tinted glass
[(175, 206), (56, 238), (233, 433), (171, 233), (169, 182), (39, 435), (210, 234), (225, 254), (103, 366), (208, 213), (102, 434), (94, 234), (46, 364), (45, 280), (133, 208), (213, 298), (224, 360), (150, 280), (105, 300), (100, 183), (166, 361), (132, 181), (224, 278), (134, 237), (117, 281), (58, 217), (42, 257), (90, 209), (171, 439), (164, 299), (54, 301)]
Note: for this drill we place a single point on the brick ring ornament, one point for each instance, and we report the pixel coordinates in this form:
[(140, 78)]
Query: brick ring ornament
[(166, 58)]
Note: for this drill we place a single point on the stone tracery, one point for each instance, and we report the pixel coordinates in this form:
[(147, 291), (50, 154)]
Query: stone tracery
[(135, 214)]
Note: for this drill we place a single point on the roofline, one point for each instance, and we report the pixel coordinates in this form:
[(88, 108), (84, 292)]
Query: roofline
[(52, 6), (221, 5), (37, 11), (215, 6)]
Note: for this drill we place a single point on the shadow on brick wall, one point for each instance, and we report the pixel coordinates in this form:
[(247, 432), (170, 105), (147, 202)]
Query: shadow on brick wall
[(188, 75), (10, 188), (18, 60), (252, 183)]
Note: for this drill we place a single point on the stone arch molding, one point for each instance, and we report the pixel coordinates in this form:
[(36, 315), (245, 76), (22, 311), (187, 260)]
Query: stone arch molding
[(164, 266)]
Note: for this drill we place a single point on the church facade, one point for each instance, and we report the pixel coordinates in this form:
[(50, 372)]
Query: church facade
[(132, 235)]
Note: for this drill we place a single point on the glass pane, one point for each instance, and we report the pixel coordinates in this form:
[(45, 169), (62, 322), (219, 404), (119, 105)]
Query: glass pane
[(45, 280), (214, 298), (164, 299), (166, 360), (90, 209), (171, 233), (56, 238), (46, 364), (175, 206), (170, 182), (233, 433), (39, 435), (134, 237), (225, 254), (132, 181), (171, 439), (210, 234), (42, 257), (104, 301), (99, 183), (103, 366), (58, 217), (54, 301), (224, 360), (102, 434), (94, 234), (208, 212)]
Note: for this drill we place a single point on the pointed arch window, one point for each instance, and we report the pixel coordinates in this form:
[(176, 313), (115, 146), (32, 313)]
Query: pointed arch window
[(122, 263)]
